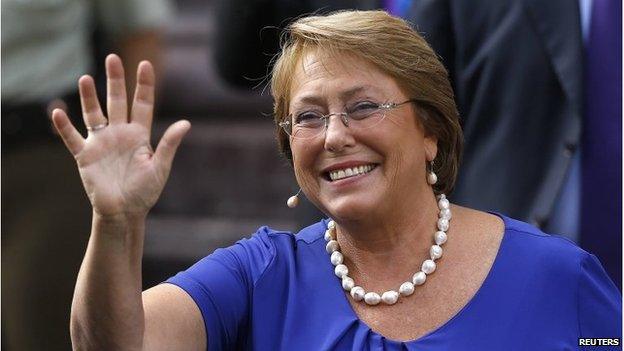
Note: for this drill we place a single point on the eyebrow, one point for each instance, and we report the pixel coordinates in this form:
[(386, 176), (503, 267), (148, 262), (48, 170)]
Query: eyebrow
[(315, 99)]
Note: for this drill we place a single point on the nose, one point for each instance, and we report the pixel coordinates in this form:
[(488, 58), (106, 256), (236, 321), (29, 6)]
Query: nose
[(338, 135)]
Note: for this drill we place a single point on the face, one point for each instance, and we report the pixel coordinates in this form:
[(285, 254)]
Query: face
[(395, 151)]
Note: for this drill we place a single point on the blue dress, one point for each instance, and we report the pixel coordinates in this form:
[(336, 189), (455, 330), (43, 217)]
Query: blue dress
[(278, 291)]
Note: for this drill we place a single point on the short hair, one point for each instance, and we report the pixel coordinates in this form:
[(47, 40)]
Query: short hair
[(390, 44)]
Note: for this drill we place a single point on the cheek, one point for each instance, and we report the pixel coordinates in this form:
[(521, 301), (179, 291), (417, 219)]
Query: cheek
[(406, 161), (393, 170), (399, 166), (302, 157), (303, 165)]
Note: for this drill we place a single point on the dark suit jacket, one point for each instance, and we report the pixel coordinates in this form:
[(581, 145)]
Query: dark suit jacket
[(517, 72)]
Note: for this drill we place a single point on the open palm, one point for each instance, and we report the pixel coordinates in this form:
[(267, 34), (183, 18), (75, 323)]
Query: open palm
[(121, 173)]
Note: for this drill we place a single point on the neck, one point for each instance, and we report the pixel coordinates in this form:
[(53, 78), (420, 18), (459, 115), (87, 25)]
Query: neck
[(400, 236)]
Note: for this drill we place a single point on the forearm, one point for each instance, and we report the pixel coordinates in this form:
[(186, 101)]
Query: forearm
[(121, 174), (107, 309)]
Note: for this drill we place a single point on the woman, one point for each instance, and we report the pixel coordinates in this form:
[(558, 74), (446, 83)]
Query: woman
[(365, 113)]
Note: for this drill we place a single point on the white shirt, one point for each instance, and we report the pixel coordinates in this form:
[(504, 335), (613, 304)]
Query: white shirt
[(46, 44)]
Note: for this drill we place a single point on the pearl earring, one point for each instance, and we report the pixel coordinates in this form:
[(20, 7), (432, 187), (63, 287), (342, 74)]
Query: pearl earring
[(293, 201), (432, 178)]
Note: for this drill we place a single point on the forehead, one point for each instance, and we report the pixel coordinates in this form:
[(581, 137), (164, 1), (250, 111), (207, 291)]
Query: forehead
[(324, 76)]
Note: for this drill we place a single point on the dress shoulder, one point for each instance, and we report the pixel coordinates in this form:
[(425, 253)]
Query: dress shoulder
[(564, 275), (551, 254), (222, 284), (599, 302)]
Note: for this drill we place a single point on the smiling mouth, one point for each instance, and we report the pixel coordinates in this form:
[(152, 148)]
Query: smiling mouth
[(349, 172)]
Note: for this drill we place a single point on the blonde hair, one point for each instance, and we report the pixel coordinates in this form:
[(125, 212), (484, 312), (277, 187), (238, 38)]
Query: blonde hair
[(390, 44)]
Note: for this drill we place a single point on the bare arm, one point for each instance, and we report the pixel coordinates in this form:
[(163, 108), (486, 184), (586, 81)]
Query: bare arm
[(123, 178), (172, 320), (107, 311)]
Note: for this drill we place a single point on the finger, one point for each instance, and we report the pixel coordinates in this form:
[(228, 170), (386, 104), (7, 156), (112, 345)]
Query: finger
[(72, 139), (116, 99), (166, 149), (91, 111), (143, 104)]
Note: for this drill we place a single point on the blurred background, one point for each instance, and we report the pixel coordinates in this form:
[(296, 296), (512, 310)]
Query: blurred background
[(228, 178)]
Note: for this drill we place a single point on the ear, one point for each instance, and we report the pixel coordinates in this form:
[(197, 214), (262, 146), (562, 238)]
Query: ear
[(431, 147), (430, 140)]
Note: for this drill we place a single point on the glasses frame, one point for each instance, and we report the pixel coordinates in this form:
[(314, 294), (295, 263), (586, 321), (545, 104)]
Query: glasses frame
[(287, 124)]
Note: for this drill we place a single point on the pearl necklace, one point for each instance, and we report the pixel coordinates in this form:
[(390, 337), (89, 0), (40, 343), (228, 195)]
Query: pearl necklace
[(390, 297)]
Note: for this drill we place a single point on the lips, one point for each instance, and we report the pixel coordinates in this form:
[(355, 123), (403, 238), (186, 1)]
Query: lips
[(347, 170), (350, 172)]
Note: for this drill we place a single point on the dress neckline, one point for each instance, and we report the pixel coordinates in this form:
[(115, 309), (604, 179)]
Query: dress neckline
[(486, 284)]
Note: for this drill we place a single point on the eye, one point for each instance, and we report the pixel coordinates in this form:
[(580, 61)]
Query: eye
[(362, 109), (363, 105), (307, 117)]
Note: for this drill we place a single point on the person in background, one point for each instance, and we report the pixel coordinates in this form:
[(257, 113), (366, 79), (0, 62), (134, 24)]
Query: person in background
[(46, 46), (538, 87), (247, 34)]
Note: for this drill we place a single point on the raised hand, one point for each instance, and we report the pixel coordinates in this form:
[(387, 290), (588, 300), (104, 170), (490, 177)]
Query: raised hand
[(121, 173)]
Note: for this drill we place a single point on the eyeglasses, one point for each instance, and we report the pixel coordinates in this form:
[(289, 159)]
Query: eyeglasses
[(360, 116)]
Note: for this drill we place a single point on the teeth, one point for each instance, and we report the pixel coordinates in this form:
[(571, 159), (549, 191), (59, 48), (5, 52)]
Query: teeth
[(350, 172)]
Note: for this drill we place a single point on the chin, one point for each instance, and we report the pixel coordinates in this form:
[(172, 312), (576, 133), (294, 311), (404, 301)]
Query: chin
[(354, 198), (351, 207)]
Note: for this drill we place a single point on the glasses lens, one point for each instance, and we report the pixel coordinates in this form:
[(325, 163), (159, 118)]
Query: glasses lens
[(307, 125), (367, 119), (311, 124)]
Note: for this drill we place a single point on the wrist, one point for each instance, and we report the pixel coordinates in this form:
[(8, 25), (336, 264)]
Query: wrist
[(121, 230), (122, 218)]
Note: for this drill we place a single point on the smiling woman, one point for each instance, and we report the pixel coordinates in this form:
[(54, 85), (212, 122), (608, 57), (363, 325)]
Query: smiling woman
[(394, 49), (365, 113), (390, 142)]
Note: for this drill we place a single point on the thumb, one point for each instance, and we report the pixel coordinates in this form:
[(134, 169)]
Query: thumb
[(166, 149)]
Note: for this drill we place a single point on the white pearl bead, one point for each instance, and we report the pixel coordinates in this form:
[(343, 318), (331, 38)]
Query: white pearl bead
[(435, 252), (336, 258), (419, 278), (390, 297), (331, 224), (357, 293), (328, 235), (440, 237), (443, 224), (372, 298), (443, 203), (341, 270), (332, 246), (445, 213), (428, 266), (292, 201), (347, 283), (406, 289), (432, 178)]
